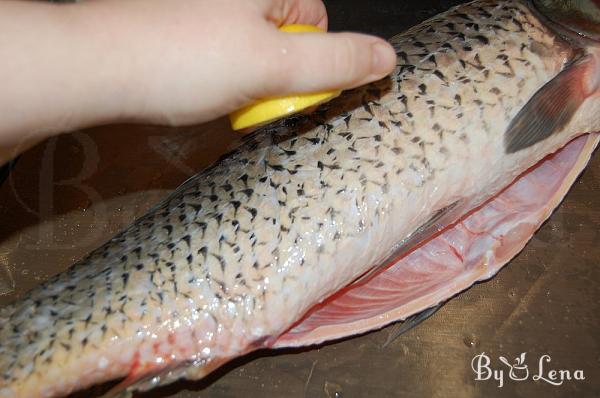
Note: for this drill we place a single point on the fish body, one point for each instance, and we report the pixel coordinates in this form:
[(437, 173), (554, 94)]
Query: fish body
[(305, 207)]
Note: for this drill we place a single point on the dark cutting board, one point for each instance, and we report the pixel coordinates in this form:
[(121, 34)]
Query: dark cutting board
[(68, 195)]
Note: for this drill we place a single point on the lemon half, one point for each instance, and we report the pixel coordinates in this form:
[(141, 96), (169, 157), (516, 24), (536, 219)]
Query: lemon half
[(268, 110)]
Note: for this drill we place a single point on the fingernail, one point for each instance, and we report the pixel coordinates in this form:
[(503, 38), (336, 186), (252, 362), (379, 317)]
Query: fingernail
[(384, 58)]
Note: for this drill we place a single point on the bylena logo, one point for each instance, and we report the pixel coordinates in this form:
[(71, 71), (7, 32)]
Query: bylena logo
[(518, 370)]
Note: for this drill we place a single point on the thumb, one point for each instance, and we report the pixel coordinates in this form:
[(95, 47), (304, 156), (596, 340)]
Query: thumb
[(312, 62)]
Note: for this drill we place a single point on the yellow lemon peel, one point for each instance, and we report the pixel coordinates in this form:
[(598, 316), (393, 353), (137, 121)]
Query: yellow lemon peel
[(268, 110)]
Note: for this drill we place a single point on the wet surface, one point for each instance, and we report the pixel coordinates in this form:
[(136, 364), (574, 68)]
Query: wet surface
[(70, 194)]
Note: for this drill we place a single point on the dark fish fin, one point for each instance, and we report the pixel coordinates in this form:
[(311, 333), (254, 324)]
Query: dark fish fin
[(550, 109), (143, 380), (409, 323), (439, 220)]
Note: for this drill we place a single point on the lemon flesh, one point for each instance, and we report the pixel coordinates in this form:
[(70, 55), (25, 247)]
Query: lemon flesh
[(268, 110)]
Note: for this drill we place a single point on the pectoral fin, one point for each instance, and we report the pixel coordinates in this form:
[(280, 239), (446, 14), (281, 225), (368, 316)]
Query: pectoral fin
[(439, 220), (551, 108)]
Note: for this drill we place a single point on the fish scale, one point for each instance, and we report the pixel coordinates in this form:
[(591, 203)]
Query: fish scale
[(304, 207)]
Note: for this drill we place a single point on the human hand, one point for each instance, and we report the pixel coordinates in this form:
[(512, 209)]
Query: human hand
[(171, 62), (188, 61)]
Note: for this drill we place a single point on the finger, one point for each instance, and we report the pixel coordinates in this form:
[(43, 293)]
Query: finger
[(285, 12), (311, 62)]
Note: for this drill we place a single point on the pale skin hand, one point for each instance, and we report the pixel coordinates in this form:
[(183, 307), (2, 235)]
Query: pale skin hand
[(172, 62)]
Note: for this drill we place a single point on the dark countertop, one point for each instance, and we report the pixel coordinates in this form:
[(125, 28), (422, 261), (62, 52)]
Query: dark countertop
[(68, 195)]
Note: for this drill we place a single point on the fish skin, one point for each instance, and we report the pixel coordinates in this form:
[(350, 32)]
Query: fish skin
[(303, 208)]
